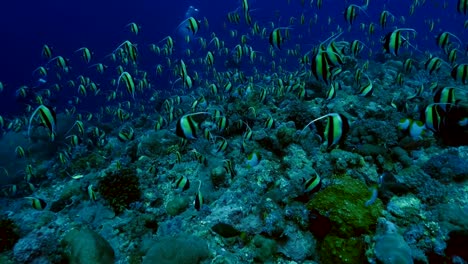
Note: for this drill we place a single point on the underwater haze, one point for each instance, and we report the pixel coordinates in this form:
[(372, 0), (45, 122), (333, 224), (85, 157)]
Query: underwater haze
[(289, 131)]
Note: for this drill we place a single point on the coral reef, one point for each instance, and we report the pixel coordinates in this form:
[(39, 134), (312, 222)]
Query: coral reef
[(120, 189)]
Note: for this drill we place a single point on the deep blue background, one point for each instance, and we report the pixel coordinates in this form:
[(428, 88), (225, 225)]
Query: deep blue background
[(25, 26)]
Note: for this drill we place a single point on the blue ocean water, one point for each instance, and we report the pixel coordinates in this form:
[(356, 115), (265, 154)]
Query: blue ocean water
[(101, 26), (378, 174)]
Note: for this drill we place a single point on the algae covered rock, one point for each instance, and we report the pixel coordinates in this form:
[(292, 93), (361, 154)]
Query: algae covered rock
[(181, 250), (345, 204), (219, 177), (342, 250), (86, 246), (392, 249), (299, 245), (447, 168), (390, 246), (265, 248), (407, 208), (177, 206)]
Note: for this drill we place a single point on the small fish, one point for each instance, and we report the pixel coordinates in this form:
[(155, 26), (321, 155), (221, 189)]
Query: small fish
[(209, 59), (248, 133), (31, 186), (356, 47), (187, 127), (46, 52), (313, 184), (37, 203), (126, 134), (433, 64), (383, 18), (77, 176), (269, 123), (227, 87), (134, 28), (322, 66), (63, 158), (222, 123), (19, 151), (48, 118), (445, 97), (400, 79), (404, 124), (418, 93), (178, 157), (199, 157), (463, 122), (462, 7), (367, 89), (61, 63), (221, 145), (415, 128), (443, 40), (276, 39), (40, 71), (198, 199), (85, 54), (74, 140), (129, 83), (253, 159), (91, 193), (460, 73), (192, 24), (80, 126), (433, 117), (29, 172), (350, 13), (408, 65), (452, 56), (229, 167), (188, 82), (336, 129), (263, 94), (82, 90), (122, 114), (393, 41), (183, 183), (332, 91)]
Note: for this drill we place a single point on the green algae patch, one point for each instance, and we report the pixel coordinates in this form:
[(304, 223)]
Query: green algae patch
[(344, 203), (342, 250)]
